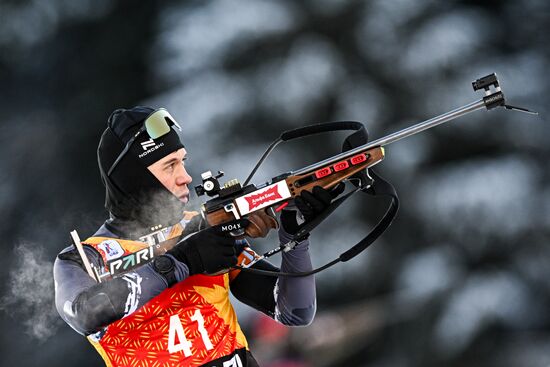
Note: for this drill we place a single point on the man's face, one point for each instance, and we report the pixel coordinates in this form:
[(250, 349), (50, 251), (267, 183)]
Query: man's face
[(170, 171)]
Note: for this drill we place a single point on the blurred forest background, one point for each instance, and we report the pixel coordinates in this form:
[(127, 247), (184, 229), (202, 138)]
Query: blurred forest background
[(462, 278)]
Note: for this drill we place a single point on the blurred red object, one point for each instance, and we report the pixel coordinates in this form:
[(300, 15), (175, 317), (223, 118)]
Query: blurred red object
[(269, 330)]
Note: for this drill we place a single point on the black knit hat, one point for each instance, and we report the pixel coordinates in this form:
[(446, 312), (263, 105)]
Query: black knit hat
[(132, 192)]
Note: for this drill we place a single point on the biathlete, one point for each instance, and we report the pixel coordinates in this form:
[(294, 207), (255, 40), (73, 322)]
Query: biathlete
[(175, 310)]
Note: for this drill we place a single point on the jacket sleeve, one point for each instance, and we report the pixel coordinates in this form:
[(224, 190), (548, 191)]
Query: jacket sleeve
[(88, 306), (289, 300)]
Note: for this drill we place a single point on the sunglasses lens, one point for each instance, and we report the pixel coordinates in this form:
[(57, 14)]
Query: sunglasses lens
[(156, 124)]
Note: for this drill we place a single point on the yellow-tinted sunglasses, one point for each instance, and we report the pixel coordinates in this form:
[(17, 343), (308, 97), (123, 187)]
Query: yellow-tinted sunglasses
[(157, 124)]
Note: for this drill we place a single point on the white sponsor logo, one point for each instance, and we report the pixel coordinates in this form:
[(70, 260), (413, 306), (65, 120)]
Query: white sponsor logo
[(134, 285), (131, 260), (148, 144), (231, 227), (111, 249), (263, 197), (151, 150)]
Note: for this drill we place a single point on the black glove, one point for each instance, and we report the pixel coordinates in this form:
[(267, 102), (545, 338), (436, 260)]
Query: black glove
[(208, 251), (310, 205)]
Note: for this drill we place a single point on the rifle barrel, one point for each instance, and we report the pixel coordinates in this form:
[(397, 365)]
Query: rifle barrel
[(398, 135)]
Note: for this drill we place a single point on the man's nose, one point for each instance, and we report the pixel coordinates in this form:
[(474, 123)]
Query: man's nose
[(183, 178)]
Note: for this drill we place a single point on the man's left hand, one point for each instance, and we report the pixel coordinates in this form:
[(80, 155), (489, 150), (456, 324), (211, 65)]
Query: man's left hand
[(309, 205)]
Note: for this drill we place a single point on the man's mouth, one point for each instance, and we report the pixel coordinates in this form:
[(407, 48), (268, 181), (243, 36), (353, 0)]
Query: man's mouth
[(184, 198)]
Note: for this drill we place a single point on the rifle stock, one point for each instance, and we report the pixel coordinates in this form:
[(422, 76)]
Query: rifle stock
[(335, 173), (326, 177)]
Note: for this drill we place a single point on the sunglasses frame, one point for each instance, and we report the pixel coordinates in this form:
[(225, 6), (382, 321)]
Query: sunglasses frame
[(160, 119)]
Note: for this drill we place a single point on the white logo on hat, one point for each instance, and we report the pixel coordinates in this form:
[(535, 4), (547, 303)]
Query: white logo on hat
[(147, 144)]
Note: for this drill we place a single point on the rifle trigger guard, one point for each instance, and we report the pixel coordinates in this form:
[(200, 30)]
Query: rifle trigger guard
[(366, 185)]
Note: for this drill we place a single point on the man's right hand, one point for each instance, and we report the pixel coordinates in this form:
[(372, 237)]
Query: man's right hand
[(208, 251)]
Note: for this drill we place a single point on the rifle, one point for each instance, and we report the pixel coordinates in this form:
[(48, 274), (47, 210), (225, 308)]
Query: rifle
[(234, 200)]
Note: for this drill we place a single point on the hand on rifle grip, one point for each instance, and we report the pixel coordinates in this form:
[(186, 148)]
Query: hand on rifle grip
[(211, 250), (309, 205)]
